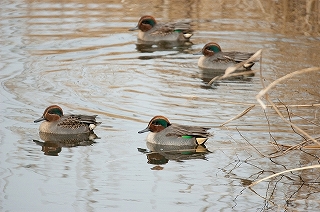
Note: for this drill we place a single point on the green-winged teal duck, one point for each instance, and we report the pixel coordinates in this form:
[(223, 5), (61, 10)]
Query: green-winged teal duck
[(164, 133), (150, 30), (57, 123), (213, 58)]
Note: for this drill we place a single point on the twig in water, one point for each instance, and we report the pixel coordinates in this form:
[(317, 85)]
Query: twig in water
[(231, 69), (279, 173), (265, 90), (239, 115), (277, 81)]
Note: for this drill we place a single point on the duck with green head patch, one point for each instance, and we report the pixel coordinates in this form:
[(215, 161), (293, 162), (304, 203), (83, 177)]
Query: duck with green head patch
[(55, 122), (165, 133), (150, 30), (214, 58)]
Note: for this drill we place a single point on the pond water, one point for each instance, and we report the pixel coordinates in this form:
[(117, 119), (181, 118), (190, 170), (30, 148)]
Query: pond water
[(80, 55)]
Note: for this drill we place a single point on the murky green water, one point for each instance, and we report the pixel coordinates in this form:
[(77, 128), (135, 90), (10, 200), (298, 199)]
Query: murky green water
[(79, 54)]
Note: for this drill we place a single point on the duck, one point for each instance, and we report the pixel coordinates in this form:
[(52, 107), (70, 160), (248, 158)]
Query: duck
[(214, 58), (150, 30), (55, 122), (163, 132)]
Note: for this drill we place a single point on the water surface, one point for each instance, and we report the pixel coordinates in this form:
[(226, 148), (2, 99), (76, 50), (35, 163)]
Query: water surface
[(79, 54)]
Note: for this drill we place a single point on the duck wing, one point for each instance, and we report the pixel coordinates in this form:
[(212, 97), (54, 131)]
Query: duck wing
[(183, 130), (235, 56), (168, 28), (79, 120)]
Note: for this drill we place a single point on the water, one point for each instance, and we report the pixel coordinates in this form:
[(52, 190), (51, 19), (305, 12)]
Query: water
[(79, 54)]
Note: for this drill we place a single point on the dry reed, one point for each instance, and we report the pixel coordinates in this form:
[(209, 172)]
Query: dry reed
[(264, 93), (286, 171), (228, 72)]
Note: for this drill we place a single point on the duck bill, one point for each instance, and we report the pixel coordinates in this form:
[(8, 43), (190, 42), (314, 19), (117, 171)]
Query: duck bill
[(134, 28), (145, 130), (198, 53), (39, 119)]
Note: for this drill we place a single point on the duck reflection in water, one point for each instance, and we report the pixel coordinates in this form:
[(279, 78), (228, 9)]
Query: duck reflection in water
[(54, 143), (207, 75), (161, 154), (174, 46)]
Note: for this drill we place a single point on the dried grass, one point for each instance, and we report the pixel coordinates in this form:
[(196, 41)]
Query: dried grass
[(228, 72), (239, 115), (282, 149), (264, 92), (302, 145), (280, 173)]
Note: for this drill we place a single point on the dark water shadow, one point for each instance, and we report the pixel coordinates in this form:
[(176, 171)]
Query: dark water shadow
[(150, 47), (208, 74), (52, 144), (162, 154)]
